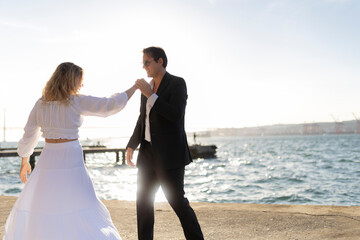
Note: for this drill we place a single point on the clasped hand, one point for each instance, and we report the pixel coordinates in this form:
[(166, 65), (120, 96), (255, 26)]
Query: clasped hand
[(144, 87)]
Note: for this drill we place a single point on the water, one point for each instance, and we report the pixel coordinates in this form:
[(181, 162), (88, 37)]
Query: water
[(321, 170)]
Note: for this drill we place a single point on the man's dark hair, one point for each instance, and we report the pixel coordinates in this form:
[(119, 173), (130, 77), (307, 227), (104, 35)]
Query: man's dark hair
[(156, 53)]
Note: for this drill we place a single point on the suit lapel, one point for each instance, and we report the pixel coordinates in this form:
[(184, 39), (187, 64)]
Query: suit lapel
[(164, 82)]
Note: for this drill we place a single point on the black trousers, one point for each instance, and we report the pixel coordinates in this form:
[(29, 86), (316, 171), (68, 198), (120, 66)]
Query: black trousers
[(150, 178)]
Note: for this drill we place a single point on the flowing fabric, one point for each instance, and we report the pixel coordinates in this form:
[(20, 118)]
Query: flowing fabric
[(59, 201)]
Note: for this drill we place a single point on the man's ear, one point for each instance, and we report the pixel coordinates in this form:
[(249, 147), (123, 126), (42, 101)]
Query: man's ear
[(161, 61)]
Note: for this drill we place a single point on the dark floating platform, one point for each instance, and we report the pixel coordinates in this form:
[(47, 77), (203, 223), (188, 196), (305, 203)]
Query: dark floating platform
[(202, 151)]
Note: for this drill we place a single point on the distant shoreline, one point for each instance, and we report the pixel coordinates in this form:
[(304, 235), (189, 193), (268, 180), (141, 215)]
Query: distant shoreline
[(232, 220), (298, 129), (280, 129)]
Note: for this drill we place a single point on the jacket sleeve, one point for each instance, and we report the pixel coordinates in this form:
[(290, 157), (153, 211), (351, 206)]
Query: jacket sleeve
[(31, 134), (135, 138), (137, 135)]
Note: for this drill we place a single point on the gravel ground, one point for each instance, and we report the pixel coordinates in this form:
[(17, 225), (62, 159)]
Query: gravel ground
[(235, 221)]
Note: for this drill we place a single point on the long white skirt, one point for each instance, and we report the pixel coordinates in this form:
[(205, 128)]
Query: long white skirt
[(59, 201)]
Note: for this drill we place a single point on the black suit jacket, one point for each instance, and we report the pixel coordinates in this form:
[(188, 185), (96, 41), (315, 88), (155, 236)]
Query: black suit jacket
[(168, 137)]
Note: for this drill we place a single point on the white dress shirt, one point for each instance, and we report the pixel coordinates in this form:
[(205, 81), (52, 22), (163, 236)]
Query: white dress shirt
[(149, 104)]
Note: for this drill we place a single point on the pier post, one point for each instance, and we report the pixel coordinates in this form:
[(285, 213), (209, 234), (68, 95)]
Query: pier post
[(117, 157), (123, 157), (32, 162)]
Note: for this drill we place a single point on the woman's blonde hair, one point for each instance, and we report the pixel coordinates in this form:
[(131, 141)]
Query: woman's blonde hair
[(63, 83)]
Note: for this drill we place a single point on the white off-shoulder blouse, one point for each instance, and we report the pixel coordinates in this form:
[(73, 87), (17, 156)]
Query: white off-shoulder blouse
[(59, 120)]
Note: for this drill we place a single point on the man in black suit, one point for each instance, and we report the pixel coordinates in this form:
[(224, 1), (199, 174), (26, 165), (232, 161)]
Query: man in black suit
[(164, 151)]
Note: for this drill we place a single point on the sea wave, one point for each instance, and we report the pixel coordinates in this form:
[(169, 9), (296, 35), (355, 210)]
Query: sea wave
[(275, 170)]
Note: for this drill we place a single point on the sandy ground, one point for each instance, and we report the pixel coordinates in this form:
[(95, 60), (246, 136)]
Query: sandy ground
[(236, 221)]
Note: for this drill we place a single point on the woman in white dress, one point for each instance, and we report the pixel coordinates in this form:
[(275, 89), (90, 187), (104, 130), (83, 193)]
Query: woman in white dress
[(58, 200)]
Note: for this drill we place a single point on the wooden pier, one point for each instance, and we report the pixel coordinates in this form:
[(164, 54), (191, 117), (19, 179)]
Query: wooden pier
[(196, 151), (11, 152)]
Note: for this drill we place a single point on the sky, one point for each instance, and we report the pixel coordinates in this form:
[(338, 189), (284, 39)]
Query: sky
[(246, 62)]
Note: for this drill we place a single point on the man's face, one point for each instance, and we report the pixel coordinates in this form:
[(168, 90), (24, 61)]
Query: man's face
[(151, 67)]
